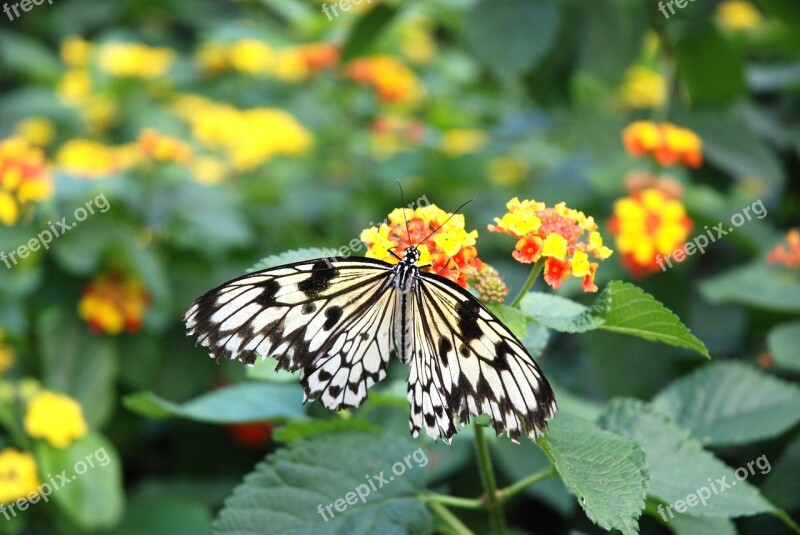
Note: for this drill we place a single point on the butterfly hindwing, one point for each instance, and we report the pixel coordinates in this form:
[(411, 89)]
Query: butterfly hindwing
[(466, 362), (331, 319)]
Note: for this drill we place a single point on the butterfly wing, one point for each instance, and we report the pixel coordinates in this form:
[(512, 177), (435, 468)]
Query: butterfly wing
[(466, 361), (330, 318)]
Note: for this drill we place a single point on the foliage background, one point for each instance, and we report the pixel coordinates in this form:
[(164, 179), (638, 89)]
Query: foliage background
[(502, 99)]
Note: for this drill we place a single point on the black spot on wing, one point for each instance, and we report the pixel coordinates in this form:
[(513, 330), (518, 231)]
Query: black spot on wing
[(468, 312), (267, 297), (502, 350), (309, 308), (319, 281), (332, 316), (444, 348)]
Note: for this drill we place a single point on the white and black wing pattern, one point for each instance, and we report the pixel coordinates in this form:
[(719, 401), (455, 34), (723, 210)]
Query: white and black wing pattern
[(332, 319), (466, 362)]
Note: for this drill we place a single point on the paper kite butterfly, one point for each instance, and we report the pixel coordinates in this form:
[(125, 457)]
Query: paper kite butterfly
[(338, 321)]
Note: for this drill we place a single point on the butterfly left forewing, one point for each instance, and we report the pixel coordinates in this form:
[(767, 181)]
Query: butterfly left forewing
[(330, 319), (466, 362)]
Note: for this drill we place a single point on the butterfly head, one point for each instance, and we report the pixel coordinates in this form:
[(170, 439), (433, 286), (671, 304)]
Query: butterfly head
[(411, 255)]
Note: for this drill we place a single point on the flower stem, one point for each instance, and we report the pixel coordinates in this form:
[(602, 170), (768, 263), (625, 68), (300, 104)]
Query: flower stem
[(450, 519), (454, 501), (537, 268), (496, 517), (526, 482)]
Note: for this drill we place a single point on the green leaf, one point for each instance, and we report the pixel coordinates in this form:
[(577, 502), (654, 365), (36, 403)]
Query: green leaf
[(730, 403), (78, 363), (684, 524), (680, 467), (286, 492), (511, 37), (755, 285), (513, 318), (297, 430), (263, 369), (784, 345), (621, 307), (366, 30), (781, 485), (607, 472), (92, 494), (710, 67), (243, 402), (295, 255)]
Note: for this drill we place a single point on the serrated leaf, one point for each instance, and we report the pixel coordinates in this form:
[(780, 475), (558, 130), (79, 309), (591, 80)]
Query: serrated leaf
[(757, 285), (92, 499), (679, 466), (295, 255), (297, 430), (513, 318), (285, 493), (366, 30), (561, 314), (684, 524), (607, 472), (783, 343), (239, 403), (730, 403)]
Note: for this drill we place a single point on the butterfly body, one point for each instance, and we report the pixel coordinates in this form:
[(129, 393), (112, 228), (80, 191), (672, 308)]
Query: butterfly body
[(337, 321)]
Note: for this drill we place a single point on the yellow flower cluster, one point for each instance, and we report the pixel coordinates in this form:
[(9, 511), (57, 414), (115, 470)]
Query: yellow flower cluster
[(247, 138), (18, 475), (507, 170), (7, 356), (554, 234), (55, 418), (455, 143), (737, 15), (24, 178), (643, 88), (112, 302), (392, 81), (255, 57), (163, 148), (89, 159), (135, 60), (667, 143), (38, 131), (450, 251)]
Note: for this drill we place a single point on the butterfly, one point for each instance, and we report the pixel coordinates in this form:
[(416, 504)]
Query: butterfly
[(339, 320)]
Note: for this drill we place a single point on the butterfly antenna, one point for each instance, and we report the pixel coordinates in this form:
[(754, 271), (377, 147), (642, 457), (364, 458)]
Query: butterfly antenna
[(445, 222), (403, 205)]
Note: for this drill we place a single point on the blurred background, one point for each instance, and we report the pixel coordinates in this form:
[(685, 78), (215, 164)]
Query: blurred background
[(151, 150)]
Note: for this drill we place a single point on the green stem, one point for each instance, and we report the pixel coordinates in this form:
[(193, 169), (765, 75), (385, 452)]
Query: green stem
[(455, 501), (526, 482), (489, 484), (537, 268), (450, 519), (786, 519)]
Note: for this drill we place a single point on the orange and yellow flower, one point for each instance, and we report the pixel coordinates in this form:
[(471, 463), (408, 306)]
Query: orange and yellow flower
[(18, 475), (319, 55), (113, 302), (392, 81), (563, 237), (89, 159), (56, 418), (163, 148), (667, 143), (787, 254), (24, 178), (449, 252), (648, 224)]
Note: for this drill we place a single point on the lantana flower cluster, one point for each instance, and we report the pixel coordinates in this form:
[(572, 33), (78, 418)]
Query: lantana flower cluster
[(563, 237), (788, 253), (113, 302), (667, 143), (393, 81), (24, 178)]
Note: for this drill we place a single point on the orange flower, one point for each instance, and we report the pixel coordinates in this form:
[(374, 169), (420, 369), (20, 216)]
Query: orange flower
[(562, 236), (319, 55), (393, 81), (648, 224), (24, 178), (163, 148), (253, 434), (667, 143), (787, 254), (450, 252), (112, 303)]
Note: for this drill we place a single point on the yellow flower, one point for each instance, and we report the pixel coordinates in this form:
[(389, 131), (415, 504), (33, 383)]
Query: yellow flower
[(90, 159), (290, 65), (37, 131), (507, 170), (24, 178), (456, 143), (75, 51), (112, 302), (56, 418), (643, 88), (667, 143), (212, 57), (251, 56), (737, 15), (18, 475), (555, 234), (99, 112), (163, 148), (7, 356), (135, 60), (648, 224), (208, 170), (416, 40), (450, 252), (74, 87)]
